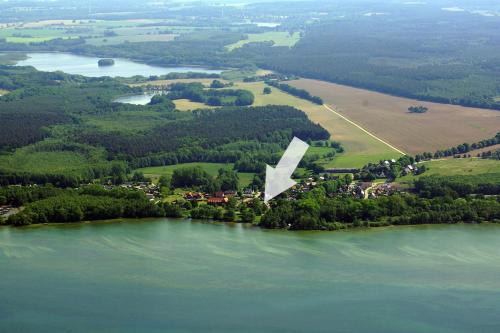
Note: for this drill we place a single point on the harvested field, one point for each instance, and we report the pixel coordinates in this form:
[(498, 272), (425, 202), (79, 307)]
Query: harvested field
[(443, 126)]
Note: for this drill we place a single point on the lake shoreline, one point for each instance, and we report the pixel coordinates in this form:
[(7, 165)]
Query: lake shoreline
[(138, 61), (379, 227), (86, 65)]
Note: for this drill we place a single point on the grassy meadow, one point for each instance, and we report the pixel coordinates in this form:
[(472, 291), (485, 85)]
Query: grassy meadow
[(458, 167)]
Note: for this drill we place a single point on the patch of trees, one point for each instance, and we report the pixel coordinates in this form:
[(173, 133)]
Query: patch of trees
[(81, 207), (458, 186), (59, 99), (105, 62), (203, 137), (114, 172), (493, 155), (460, 149), (301, 93), (195, 92), (417, 109), (317, 212), (196, 177)]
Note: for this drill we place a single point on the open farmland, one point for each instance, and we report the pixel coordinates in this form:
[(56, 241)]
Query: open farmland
[(443, 126), (360, 148)]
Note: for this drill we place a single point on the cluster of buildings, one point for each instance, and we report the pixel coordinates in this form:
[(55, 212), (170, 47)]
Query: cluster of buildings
[(219, 198), (5, 211), (152, 191)]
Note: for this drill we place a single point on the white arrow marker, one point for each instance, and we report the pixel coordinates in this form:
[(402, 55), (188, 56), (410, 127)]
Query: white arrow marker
[(278, 179)]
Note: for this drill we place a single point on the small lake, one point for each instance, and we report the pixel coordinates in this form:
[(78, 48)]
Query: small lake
[(141, 99), (161, 275), (87, 66)]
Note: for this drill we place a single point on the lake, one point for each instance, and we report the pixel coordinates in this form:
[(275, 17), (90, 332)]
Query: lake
[(160, 275), (87, 66), (140, 99)]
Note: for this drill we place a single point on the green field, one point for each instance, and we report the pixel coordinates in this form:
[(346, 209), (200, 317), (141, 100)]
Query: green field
[(280, 38), (458, 167), (211, 168)]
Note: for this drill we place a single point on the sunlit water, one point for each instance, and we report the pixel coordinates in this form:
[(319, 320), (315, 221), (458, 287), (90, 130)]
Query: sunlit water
[(180, 276), (141, 99), (87, 66)]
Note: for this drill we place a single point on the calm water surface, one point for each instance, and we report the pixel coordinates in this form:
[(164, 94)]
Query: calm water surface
[(141, 99), (181, 276), (87, 66)]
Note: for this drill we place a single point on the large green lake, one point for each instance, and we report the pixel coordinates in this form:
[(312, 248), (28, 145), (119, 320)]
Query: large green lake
[(180, 276)]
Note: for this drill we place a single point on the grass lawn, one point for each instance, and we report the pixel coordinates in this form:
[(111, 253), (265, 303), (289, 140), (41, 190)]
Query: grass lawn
[(280, 38), (458, 167), (211, 168)]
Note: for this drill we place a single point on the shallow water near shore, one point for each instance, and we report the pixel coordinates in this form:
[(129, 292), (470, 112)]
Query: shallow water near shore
[(160, 275)]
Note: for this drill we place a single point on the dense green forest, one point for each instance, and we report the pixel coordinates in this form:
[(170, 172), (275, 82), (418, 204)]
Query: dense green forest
[(80, 134), (89, 203)]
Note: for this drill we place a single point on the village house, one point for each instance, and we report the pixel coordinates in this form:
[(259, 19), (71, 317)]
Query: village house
[(248, 193), (230, 193), (219, 199), (194, 196)]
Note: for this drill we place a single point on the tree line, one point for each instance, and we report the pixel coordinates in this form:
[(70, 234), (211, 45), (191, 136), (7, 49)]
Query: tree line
[(322, 209), (297, 92)]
